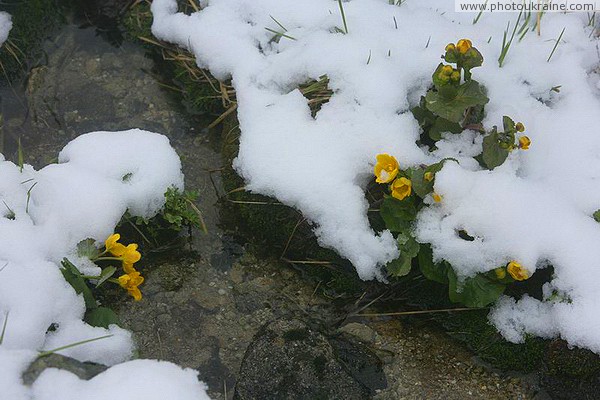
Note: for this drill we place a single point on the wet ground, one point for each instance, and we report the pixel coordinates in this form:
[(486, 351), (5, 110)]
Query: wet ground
[(218, 308)]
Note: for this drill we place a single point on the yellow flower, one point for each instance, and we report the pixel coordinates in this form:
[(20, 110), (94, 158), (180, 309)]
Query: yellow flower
[(450, 47), (128, 268), (131, 255), (520, 127), (401, 188), (524, 142), (437, 198), (447, 69), (463, 45), (428, 176), (500, 273), (517, 271), (386, 168), (113, 246), (130, 282)]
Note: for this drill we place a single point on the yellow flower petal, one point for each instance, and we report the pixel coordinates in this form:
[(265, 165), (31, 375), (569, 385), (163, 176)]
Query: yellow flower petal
[(135, 293), (386, 168), (401, 188), (517, 271), (524, 142), (463, 45), (128, 268), (500, 273), (131, 255)]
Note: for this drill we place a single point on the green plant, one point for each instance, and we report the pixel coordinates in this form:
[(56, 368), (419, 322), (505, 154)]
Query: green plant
[(454, 103)]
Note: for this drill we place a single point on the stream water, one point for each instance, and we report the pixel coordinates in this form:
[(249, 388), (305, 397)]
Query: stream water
[(250, 326)]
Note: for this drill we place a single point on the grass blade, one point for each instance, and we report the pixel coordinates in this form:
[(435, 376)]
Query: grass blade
[(556, 44), (68, 346), (343, 16)]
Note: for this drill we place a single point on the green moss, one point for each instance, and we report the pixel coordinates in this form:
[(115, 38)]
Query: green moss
[(33, 21)]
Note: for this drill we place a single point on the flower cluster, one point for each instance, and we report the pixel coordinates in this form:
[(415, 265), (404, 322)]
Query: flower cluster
[(128, 255), (386, 170)]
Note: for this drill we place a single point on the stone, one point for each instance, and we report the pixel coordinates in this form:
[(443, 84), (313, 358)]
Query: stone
[(287, 359), (83, 370)]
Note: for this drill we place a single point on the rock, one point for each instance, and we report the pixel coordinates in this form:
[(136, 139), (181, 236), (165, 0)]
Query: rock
[(360, 331), (83, 370), (289, 360)]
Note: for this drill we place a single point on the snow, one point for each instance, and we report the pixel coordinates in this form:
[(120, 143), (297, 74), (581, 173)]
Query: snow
[(5, 26), (536, 208), (83, 196)]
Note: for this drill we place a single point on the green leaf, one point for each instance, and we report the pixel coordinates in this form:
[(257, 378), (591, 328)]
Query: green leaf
[(105, 274), (73, 277), (101, 317), (468, 94), (441, 125), (493, 154), (419, 185), (400, 266), (477, 291), (509, 124), (434, 272), (398, 215), (597, 215), (87, 248), (471, 59)]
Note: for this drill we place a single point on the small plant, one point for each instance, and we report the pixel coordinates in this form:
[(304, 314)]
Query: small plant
[(454, 103), (130, 279), (179, 212)]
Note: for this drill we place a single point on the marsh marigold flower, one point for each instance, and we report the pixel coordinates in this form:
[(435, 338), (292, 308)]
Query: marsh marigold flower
[(112, 245), (524, 142), (517, 271), (401, 188), (131, 283), (463, 45), (386, 168)]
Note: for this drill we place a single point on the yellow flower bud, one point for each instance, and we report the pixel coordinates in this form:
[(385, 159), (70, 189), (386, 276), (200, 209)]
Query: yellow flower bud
[(517, 271), (455, 76), (500, 273), (428, 176), (437, 198), (447, 69), (401, 188), (520, 127), (450, 47), (524, 142), (386, 168), (463, 45)]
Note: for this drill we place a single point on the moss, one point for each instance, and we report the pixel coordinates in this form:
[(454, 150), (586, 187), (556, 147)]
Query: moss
[(33, 21)]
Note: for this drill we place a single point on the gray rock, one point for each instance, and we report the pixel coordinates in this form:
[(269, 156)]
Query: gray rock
[(83, 370), (289, 360)]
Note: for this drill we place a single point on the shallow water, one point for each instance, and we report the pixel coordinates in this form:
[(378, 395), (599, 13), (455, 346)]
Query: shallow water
[(204, 304)]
